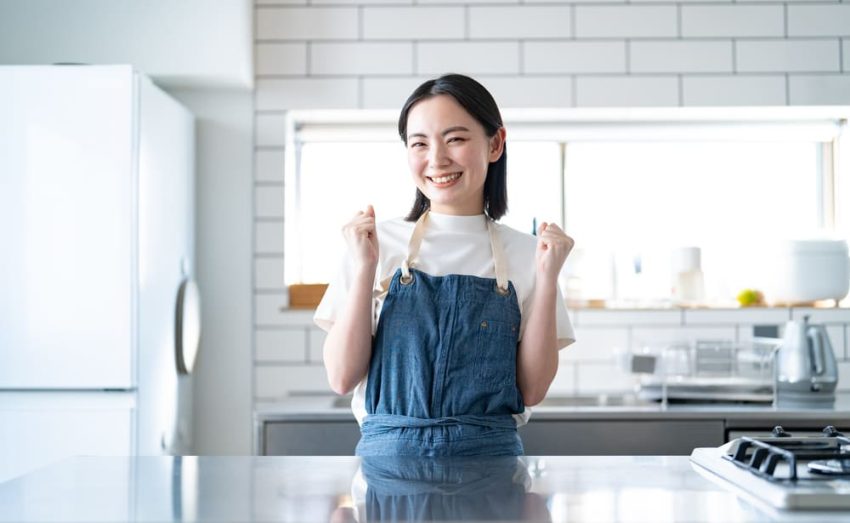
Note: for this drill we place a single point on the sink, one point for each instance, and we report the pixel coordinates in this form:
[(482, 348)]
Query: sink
[(598, 400)]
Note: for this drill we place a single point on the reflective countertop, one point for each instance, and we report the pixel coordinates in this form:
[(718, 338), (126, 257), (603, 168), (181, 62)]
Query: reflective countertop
[(582, 489)]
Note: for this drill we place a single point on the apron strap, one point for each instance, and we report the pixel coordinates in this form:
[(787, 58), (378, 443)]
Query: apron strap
[(413, 247), (499, 264), (498, 258)]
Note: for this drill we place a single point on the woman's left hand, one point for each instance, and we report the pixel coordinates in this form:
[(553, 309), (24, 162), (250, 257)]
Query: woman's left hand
[(553, 247)]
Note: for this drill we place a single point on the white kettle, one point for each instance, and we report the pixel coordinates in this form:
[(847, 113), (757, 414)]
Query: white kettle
[(807, 374)]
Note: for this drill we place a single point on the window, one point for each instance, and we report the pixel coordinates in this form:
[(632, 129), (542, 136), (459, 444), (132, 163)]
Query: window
[(629, 187)]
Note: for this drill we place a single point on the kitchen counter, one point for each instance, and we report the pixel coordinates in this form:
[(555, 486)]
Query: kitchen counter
[(326, 407), (654, 489)]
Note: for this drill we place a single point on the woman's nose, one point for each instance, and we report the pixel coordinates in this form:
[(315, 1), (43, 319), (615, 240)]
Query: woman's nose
[(437, 156)]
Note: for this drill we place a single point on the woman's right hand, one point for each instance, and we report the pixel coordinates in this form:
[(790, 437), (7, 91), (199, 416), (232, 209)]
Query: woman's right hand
[(362, 238)]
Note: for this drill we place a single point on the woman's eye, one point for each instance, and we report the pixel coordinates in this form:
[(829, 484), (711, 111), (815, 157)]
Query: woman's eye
[(455, 139), (414, 145)]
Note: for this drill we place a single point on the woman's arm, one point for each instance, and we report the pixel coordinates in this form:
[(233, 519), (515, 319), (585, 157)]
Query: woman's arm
[(348, 345), (537, 358)]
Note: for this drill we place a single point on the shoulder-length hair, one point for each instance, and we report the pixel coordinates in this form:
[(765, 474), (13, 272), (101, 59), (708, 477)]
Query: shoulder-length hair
[(479, 103)]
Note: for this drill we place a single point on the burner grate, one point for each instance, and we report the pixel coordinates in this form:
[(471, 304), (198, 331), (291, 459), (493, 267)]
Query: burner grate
[(763, 457)]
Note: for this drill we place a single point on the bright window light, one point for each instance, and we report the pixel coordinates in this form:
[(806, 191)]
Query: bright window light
[(628, 194), (534, 184), (337, 180), (630, 204)]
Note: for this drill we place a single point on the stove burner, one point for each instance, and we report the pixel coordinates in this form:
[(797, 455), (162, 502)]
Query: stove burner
[(831, 467), (826, 455)]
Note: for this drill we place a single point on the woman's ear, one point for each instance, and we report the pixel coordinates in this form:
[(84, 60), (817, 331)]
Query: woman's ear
[(497, 144)]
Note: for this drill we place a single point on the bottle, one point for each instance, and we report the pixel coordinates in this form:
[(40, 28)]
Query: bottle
[(688, 285)]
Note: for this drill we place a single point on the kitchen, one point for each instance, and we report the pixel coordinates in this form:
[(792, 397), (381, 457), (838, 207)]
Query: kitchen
[(239, 81)]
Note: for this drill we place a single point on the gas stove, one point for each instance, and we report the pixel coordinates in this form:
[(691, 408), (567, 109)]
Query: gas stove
[(786, 472)]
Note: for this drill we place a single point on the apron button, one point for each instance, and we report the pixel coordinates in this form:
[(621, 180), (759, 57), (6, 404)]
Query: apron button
[(483, 324)]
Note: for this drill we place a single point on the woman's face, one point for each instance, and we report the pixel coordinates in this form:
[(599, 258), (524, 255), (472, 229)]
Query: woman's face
[(448, 152)]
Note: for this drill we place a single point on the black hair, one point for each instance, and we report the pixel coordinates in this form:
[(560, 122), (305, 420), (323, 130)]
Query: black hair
[(479, 103)]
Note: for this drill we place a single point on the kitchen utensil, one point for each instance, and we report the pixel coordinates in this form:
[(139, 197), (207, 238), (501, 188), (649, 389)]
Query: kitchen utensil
[(805, 365)]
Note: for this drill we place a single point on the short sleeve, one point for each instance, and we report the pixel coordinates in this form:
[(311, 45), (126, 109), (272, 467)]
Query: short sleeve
[(563, 325), (566, 334), (335, 296)]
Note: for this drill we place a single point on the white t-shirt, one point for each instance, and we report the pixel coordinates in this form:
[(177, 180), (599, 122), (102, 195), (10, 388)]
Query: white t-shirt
[(452, 245)]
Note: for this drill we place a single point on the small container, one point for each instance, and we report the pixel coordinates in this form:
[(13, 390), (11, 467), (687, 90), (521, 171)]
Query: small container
[(807, 270), (306, 296), (688, 284)]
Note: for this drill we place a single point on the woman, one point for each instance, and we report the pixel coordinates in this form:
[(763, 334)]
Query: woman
[(446, 324)]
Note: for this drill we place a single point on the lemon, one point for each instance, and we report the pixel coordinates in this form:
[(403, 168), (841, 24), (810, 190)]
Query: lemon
[(750, 298)]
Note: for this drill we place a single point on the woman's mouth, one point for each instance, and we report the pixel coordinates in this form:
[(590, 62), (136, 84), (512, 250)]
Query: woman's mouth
[(444, 180)]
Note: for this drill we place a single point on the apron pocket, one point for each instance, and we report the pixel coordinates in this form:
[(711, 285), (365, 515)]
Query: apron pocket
[(495, 358)]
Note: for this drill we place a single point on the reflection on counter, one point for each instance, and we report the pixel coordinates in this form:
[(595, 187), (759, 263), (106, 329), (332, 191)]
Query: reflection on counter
[(443, 489)]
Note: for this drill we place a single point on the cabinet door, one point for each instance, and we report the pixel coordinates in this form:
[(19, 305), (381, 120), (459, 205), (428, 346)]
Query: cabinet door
[(309, 438), (619, 438), (31, 438)]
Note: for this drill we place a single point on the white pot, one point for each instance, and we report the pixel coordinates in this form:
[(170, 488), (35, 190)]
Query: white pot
[(808, 270)]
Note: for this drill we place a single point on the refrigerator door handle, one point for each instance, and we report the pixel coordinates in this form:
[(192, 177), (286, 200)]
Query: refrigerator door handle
[(187, 333)]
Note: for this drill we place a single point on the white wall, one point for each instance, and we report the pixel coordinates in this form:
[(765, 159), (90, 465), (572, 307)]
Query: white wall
[(222, 415), (180, 43), (549, 53)]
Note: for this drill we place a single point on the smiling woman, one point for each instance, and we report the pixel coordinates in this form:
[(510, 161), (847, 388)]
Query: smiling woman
[(446, 323)]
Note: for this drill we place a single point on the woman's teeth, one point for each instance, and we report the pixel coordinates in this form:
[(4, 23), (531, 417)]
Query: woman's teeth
[(446, 179)]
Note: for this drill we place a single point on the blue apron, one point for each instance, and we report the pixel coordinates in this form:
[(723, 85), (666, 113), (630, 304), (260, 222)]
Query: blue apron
[(442, 375)]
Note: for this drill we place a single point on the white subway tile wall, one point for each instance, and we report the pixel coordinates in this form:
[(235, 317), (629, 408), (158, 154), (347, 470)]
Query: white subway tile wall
[(659, 56), (819, 20), (547, 53), (786, 55), (527, 21), (731, 90), (475, 58), (574, 57), (512, 91), (268, 165), (819, 89)]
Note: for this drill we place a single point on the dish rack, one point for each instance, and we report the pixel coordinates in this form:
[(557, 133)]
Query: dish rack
[(707, 371)]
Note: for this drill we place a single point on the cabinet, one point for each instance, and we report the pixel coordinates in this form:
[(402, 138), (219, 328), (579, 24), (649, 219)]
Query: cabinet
[(540, 438), (619, 437), (620, 434), (307, 438)]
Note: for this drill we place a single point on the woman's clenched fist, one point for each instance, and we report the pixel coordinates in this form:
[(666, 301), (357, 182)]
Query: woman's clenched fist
[(362, 239)]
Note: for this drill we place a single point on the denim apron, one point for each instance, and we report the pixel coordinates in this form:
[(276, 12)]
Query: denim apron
[(442, 375)]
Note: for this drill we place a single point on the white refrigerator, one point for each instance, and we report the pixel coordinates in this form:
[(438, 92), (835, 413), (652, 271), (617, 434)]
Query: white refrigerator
[(99, 313)]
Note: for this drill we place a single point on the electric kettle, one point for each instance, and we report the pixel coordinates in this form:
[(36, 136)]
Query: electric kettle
[(806, 373)]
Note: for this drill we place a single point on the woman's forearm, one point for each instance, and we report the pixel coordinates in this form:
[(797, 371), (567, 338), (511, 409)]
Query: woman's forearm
[(348, 345), (537, 358)]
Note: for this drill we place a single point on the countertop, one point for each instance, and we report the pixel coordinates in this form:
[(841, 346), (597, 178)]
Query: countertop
[(653, 489), (327, 408)]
